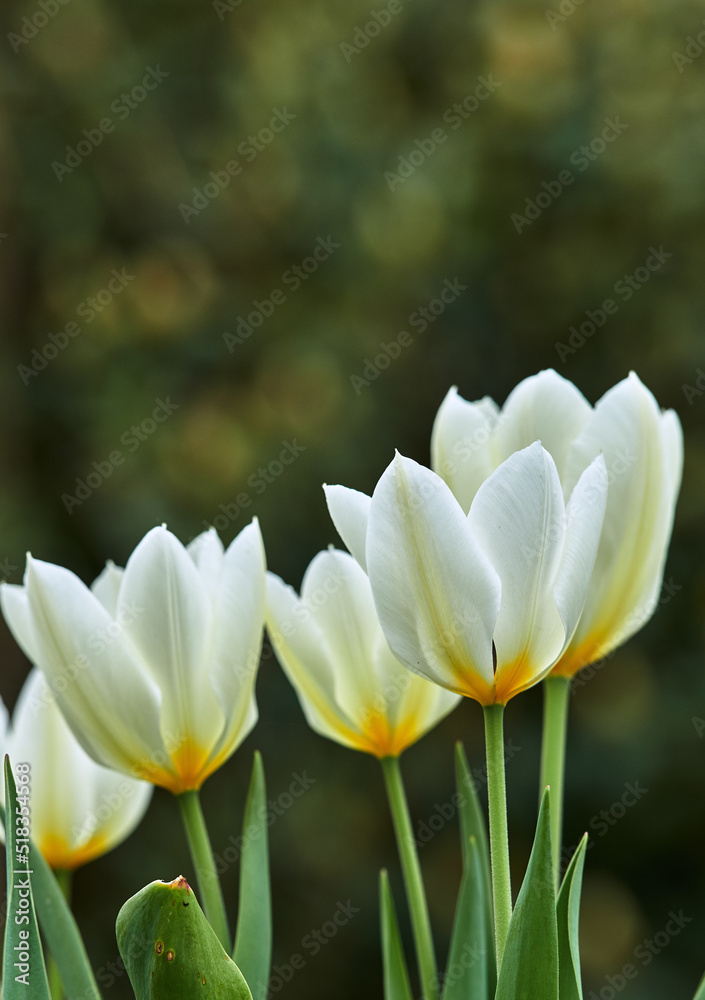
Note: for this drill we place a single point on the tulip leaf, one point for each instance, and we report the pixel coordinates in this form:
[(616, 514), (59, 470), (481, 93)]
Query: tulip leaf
[(60, 932), (467, 971), (170, 950), (472, 824), (529, 968), (23, 959), (568, 915), (253, 938), (396, 974), (700, 995)]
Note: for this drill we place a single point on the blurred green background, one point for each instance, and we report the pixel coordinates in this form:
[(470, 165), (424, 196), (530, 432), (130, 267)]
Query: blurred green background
[(357, 92)]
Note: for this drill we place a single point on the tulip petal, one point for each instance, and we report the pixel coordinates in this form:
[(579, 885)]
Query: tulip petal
[(546, 408), (461, 444), (206, 550), (643, 476), (111, 706), (237, 636), (585, 514), (349, 511), (301, 651), (437, 596), (172, 634), (14, 600), (518, 517), (106, 587)]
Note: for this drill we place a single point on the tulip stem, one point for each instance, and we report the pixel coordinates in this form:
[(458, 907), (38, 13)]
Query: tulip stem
[(499, 836), (56, 988), (413, 880), (206, 873), (555, 725)]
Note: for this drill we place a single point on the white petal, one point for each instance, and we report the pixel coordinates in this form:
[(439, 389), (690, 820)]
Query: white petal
[(103, 691), (546, 408), (436, 594), (16, 611), (301, 651), (206, 550), (349, 511), (585, 514), (336, 591), (461, 444), (643, 476), (171, 630), (106, 587), (237, 635), (518, 517)]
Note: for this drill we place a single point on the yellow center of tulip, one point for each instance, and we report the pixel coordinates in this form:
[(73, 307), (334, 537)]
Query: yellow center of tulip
[(59, 853)]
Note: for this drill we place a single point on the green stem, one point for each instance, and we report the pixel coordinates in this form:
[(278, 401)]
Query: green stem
[(499, 837), (206, 874), (64, 878), (413, 881), (556, 691)]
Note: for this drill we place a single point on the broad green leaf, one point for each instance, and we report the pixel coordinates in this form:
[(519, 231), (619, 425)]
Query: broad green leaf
[(23, 973), (170, 950), (60, 932), (467, 973), (253, 939), (530, 964), (472, 824), (568, 914), (396, 975), (700, 995)]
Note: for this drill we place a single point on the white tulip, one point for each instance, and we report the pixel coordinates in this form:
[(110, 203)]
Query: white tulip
[(154, 667), (643, 452), (79, 810), (482, 603), (351, 686)]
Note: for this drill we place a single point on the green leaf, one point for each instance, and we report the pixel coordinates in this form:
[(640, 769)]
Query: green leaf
[(253, 939), (568, 915), (700, 995), (23, 960), (472, 824), (467, 971), (170, 950), (530, 965), (396, 975), (60, 932)]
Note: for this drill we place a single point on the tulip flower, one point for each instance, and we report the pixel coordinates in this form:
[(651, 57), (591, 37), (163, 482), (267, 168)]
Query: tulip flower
[(351, 686), (79, 809), (643, 452), (354, 690), (484, 602), (154, 666)]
